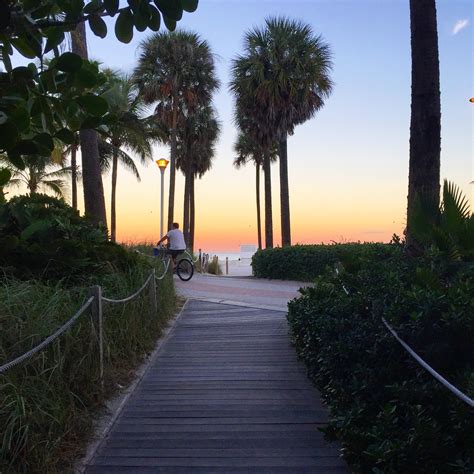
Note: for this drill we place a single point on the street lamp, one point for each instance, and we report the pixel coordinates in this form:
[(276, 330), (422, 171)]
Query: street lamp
[(162, 164)]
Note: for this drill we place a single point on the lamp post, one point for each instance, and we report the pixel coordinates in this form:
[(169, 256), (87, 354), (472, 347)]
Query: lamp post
[(162, 164)]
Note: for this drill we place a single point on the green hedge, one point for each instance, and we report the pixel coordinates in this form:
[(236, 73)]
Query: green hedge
[(306, 262), (390, 415)]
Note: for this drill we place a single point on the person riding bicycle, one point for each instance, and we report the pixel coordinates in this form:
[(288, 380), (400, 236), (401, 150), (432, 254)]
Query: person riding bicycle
[(176, 243)]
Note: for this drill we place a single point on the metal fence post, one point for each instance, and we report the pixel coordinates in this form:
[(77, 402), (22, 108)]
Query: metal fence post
[(227, 265), (200, 260), (153, 305), (96, 309)]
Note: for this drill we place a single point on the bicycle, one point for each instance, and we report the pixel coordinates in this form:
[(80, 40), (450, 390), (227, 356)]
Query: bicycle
[(184, 266)]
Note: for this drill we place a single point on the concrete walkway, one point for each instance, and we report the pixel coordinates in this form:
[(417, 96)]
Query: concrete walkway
[(270, 294), (225, 394)]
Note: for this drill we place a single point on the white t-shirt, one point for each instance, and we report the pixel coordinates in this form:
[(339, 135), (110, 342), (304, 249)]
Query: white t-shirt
[(176, 239)]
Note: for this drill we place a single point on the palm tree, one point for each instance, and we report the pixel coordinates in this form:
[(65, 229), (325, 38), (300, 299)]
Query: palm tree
[(284, 77), (129, 130), (175, 70), (250, 151), (196, 140), (94, 201), (425, 127), (41, 174)]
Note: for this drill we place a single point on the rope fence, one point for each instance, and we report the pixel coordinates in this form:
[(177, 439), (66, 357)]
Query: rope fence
[(454, 390), (95, 304)]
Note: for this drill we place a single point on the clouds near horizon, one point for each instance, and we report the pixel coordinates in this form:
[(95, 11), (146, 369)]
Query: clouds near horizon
[(460, 25)]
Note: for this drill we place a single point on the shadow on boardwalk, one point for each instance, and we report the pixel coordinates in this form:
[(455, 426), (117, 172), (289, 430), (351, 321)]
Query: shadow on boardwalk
[(225, 394)]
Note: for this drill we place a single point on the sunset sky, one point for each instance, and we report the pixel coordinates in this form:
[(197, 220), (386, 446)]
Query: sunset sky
[(348, 166)]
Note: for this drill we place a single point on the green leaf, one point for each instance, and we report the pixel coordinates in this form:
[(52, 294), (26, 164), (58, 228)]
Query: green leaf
[(69, 62), (93, 104), (141, 16), (16, 160), (20, 116), (45, 141), (5, 175), (170, 24), (6, 59), (22, 72), (112, 6), (190, 5), (92, 7), (55, 36), (170, 8), (23, 47), (87, 78), (66, 136), (154, 22), (98, 26), (124, 26), (25, 147), (8, 135)]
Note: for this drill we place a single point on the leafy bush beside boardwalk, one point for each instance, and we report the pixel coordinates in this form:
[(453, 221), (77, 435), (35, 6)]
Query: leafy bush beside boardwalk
[(306, 262), (48, 403), (389, 413)]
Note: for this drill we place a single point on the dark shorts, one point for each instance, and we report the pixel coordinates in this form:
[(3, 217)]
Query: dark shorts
[(175, 253)]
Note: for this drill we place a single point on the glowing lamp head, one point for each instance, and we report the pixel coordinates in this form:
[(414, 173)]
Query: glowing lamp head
[(162, 163)]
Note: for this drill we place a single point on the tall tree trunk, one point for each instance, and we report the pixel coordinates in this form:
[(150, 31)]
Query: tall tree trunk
[(187, 198), (172, 163), (268, 203), (74, 175), (259, 217), (425, 126), (192, 206), (284, 194), (94, 201), (113, 202)]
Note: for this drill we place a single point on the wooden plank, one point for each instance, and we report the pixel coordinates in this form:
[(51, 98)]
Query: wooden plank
[(226, 394)]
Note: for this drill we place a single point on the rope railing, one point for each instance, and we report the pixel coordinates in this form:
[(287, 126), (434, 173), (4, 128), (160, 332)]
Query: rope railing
[(454, 390), (94, 303), (132, 296), (49, 339)]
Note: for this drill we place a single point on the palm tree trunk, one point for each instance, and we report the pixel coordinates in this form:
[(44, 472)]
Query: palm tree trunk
[(192, 210), (74, 175), (268, 203), (425, 126), (172, 163), (284, 194), (187, 197), (94, 201), (113, 211), (259, 217)]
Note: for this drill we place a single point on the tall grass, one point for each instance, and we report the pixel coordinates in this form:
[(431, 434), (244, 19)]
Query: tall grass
[(48, 404)]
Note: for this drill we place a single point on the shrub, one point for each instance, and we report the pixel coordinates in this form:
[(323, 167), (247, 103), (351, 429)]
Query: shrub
[(41, 237), (390, 414), (306, 262), (213, 267)]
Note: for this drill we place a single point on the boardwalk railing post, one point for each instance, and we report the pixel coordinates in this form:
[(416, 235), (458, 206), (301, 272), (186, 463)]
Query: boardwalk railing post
[(227, 265), (96, 309), (200, 260), (153, 304)]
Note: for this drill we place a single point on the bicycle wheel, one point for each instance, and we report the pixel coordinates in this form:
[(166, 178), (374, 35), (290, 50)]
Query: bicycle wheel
[(185, 269)]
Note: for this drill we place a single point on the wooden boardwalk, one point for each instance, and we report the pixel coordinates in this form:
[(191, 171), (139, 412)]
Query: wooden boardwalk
[(226, 394)]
